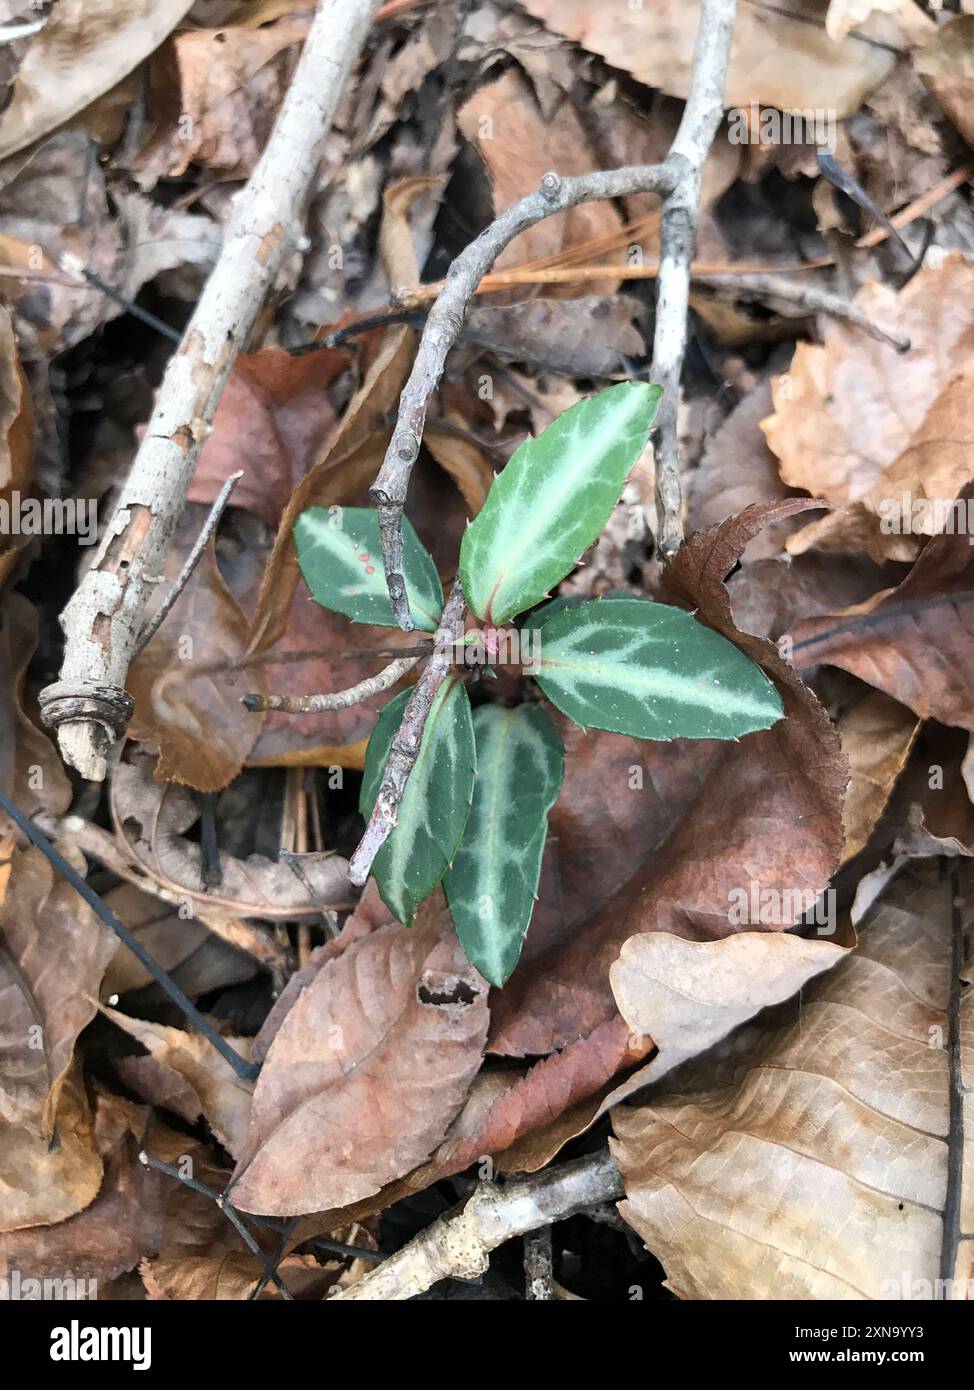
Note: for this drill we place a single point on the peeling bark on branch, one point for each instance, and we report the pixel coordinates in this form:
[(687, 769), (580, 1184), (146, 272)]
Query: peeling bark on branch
[(104, 618), (458, 1245)]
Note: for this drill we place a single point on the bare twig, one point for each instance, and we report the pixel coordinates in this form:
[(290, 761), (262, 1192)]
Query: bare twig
[(338, 699), (678, 229), (104, 618), (678, 181), (230, 1212), (458, 1245), (810, 299), (192, 560), (406, 744), (443, 328)]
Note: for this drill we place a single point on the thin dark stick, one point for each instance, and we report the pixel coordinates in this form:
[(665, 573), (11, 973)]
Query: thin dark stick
[(192, 560), (229, 1212), (354, 330), (75, 267), (211, 871), (244, 1069), (331, 1247)]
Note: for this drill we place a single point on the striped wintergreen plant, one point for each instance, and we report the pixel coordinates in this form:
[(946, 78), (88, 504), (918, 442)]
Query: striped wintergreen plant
[(474, 813)]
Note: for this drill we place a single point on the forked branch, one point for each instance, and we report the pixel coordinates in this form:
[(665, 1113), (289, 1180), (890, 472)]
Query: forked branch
[(677, 180)]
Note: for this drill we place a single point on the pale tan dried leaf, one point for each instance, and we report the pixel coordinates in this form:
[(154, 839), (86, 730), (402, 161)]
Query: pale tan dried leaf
[(809, 1157), (41, 1183), (780, 58), (858, 423), (221, 1095), (122, 1224), (877, 735), (86, 47), (687, 995)]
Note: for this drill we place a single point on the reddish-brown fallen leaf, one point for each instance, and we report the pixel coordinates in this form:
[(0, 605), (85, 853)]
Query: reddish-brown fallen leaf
[(272, 421), (518, 146), (915, 642), (720, 817), (368, 1069)]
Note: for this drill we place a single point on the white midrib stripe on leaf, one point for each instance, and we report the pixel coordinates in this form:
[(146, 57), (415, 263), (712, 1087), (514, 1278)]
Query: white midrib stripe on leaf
[(536, 524), (498, 739), (642, 683)]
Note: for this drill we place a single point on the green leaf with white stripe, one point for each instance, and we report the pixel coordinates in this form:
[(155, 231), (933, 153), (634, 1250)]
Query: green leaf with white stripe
[(492, 886), (651, 671), (340, 556), (435, 804), (552, 500)]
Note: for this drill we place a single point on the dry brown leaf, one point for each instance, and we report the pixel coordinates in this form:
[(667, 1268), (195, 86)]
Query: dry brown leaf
[(857, 422), (217, 107), (220, 1094), (448, 441), (41, 1183), (687, 995), (54, 953), (738, 469), (519, 146), (85, 47), (914, 642), (192, 714), (272, 418), (946, 65), (122, 1224), (151, 819), (779, 58), (723, 797), (197, 960), (837, 1103), (31, 770), (877, 735), (588, 336), (15, 418), (54, 200), (234, 1274), (339, 478), (367, 1071)]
